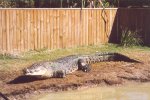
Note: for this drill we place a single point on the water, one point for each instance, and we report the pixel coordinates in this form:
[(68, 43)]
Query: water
[(132, 92)]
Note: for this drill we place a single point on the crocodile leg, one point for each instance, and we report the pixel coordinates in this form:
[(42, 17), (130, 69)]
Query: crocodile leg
[(59, 74)]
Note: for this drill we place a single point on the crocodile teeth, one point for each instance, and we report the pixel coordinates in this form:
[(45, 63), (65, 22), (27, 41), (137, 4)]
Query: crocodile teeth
[(40, 72)]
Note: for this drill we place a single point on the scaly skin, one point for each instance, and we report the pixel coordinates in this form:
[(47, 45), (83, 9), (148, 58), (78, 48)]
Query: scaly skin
[(66, 65)]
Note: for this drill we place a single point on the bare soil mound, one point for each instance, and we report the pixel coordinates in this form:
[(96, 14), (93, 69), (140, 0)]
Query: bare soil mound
[(14, 85)]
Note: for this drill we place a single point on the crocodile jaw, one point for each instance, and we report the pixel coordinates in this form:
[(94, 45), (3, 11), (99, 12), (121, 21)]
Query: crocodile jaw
[(39, 73)]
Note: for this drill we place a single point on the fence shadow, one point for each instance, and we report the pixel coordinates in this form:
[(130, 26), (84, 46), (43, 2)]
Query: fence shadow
[(133, 19), (114, 34)]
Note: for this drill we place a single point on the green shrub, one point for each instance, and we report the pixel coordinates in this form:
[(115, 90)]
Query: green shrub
[(130, 38)]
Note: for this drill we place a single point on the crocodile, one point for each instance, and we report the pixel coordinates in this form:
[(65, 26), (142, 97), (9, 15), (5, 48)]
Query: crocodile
[(59, 68)]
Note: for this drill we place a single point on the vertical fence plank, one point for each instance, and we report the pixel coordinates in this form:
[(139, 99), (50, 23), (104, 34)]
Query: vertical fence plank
[(86, 26), (69, 28), (98, 26), (28, 29), (64, 28), (72, 28), (11, 30), (15, 30), (51, 29), (89, 27), (44, 29), (38, 30), (25, 32), (57, 28), (1, 32), (34, 29), (60, 29), (7, 31), (54, 29), (94, 26), (21, 30), (48, 29), (41, 29), (76, 29)]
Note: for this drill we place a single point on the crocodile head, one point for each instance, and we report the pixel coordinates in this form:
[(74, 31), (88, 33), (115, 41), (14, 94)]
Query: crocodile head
[(38, 70), (82, 65)]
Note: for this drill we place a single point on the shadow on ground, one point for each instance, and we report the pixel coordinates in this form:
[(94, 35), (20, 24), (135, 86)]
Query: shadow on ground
[(23, 79)]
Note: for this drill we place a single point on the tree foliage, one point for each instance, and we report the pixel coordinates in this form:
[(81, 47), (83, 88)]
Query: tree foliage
[(70, 3)]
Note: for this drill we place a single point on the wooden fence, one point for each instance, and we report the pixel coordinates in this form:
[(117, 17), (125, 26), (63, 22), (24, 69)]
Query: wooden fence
[(29, 29)]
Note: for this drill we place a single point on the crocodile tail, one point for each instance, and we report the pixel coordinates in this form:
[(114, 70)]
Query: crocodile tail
[(121, 57), (99, 57)]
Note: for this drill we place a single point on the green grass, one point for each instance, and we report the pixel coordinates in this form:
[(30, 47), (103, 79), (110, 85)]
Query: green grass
[(130, 38), (7, 63)]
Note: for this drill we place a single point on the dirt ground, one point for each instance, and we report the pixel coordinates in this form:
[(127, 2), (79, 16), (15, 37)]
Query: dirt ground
[(16, 86)]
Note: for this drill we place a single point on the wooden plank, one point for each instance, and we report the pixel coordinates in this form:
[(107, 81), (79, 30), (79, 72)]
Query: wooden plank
[(81, 21), (102, 27), (18, 30), (89, 27), (15, 30), (25, 32), (35, 30), (69, 28), (38, 30), (72, 28), (3, 31), (32, 29), (64, 28), (48, 28), (98, 27), (86, 27), (94, 27), (11, 32), (61, 29), (21, 31), (76, 29), (57, 29), (7, 31), (54, 29), (44, 29), (28, 29), (1, 48), (51, 29), (41, 29)]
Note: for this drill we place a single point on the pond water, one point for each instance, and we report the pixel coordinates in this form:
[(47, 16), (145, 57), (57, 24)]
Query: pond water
[(132, 92)]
